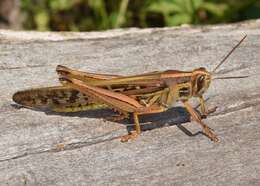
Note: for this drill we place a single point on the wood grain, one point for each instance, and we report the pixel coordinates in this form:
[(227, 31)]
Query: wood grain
[(44, 148)]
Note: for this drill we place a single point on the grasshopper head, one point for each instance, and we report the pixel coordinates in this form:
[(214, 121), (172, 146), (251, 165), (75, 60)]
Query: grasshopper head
[(201, 79)]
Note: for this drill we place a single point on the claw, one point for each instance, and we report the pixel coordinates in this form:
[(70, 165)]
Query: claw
[(132, 136), (210, 111)]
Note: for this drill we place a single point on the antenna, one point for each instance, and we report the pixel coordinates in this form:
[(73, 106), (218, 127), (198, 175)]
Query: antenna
[(223, 60), (231, 77)]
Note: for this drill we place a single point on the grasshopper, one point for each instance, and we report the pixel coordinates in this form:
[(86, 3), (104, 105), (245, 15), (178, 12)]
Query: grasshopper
[(148, 93)]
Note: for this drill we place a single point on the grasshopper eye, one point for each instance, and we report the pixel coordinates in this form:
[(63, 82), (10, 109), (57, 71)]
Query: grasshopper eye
[(200, 82), (201, 78)]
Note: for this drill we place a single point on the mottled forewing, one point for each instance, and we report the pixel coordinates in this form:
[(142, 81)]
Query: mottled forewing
[(58, 98)]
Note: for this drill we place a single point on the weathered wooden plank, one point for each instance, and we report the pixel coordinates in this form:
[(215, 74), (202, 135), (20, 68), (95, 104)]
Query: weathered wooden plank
[(38, 148)]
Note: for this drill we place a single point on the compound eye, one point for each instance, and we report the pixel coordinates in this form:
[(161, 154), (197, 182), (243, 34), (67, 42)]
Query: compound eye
[(200, 82), (201, 78)]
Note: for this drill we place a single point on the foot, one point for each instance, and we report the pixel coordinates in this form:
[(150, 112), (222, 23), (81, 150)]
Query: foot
[(131, 136), (210, 111), (210, 134)]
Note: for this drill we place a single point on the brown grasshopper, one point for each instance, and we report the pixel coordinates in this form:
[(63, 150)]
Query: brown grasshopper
[(139, 94)]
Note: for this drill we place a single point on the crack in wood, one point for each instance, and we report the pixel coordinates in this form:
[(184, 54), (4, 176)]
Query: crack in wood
[(67, 147), (237, 108), (27, 66)]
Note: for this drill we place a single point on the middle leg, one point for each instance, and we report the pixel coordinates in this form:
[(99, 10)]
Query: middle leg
[(133, 134)]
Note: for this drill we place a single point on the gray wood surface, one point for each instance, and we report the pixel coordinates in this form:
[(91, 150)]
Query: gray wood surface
[(43, 148)]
